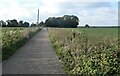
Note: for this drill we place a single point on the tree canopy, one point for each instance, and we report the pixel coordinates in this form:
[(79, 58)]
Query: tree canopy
[(14, 23), (87, 26), (21, 23), (67, 21)]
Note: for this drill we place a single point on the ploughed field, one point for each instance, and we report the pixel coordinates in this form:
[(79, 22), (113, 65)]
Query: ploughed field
[(13, 38), (87, 51)]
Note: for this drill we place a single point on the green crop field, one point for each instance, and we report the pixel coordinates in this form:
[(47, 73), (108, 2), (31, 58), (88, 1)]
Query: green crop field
[(87, 51), (13, 38)]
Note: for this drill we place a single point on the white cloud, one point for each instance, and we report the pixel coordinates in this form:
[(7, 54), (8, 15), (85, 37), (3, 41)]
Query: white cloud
[(100, 16), (13, 10), (83, 0), (88, 12), (50, 10)]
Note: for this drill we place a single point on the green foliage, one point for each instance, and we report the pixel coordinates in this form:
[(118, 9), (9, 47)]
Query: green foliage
[(87, 26), (88, 51), (14, 38), (26, 24), (67, 21), (2, 23), (14, 23)]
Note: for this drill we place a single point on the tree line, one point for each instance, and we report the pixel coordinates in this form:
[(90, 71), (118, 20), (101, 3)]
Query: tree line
[(67, 21), (15, 23)]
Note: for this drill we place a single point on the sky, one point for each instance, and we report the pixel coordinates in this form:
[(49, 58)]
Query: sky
[(92, 12)]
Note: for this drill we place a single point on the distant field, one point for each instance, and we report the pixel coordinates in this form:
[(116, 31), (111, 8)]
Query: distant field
[(113, 32), (87, 51), (96, 34), (13, 38)]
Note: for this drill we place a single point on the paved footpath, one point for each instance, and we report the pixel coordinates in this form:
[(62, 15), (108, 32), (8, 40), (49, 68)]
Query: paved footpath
[(35, 57)]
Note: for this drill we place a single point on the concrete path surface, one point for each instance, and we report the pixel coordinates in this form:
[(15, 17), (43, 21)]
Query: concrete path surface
[(35, 57)]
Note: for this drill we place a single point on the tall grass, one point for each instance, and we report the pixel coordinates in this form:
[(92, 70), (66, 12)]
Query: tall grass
[(87, 51), (14, 38)]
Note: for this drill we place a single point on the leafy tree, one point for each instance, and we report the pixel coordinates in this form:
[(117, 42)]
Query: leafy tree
[(26, 24), (14, 23), (2, 23), (20, 23), (48, 22), (41, 23), (67, 21), (33, 24), (8, 23), (87, 26)]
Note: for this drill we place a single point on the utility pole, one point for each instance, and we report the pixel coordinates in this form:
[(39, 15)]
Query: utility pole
[(38, 17)]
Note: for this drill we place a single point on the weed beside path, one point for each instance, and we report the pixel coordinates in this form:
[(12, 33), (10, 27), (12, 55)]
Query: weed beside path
[(87, 51), (14, 38)]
